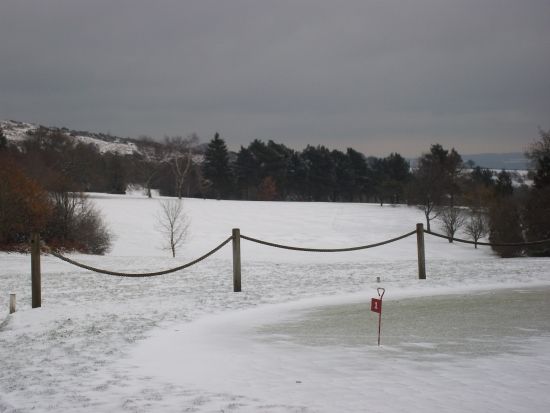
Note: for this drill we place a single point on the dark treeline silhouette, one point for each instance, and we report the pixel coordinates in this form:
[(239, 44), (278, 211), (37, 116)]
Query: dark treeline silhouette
[(272, 171), (460, 197), (182, 167)]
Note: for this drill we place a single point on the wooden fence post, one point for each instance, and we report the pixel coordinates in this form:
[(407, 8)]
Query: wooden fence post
[(12, 303), (236, 260), (36, 280), (421, 251)]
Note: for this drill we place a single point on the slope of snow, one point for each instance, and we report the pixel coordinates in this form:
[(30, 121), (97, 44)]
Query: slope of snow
[(186, 342), (121, 148), (18, 131)]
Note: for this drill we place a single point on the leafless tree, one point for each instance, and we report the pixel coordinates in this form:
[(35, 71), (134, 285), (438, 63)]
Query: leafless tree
[(180, 165), (173, 223), (148, 181), (451, 220), (180, 159), (476, 227)]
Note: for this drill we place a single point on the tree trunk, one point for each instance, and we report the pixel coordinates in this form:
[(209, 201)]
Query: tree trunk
[(427, 220)]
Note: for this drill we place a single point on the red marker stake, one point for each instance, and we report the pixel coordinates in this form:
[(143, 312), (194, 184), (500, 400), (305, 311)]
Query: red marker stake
[(376, 306)]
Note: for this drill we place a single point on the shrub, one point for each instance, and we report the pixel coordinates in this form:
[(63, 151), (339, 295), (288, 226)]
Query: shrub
[(505, 227), (76, 224), (24, 205)]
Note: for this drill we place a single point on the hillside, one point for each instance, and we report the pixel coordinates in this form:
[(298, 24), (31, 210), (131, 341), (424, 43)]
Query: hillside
[(18, 131), (499, 161)]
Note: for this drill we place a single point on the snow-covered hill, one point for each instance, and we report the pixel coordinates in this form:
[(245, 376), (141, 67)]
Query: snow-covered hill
[(16, 132), (19, 131)]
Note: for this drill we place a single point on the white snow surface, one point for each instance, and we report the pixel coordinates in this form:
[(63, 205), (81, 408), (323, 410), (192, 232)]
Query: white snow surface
[(293, 340)]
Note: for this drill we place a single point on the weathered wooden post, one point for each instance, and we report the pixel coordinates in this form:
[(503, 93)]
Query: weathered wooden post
[(236, 260), (421, 252), (36, 280), (12, 303)]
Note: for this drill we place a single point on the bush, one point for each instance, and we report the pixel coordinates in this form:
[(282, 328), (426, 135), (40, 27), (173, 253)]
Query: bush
[(76, 224), (24, 205), (505, 227), (451, 219)]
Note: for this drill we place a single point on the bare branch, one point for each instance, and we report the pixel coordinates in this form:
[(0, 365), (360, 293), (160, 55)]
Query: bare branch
[(173, 224)]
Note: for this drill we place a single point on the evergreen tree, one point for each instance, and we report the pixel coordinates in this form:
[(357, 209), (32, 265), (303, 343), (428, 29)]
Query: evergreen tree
[(320, 172), (398, 172), (216, 167), (482, 176), (360, 172), (276, 165), (380, 180), (343, 177), (503, 185), (246, 170), (390, 175), (296, 178)]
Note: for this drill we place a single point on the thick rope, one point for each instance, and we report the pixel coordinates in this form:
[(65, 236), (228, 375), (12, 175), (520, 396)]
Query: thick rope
[(149, 274), (489, 244), (362, 247)]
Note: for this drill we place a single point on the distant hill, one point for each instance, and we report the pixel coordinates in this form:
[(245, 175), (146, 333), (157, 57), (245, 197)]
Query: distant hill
[(17, 132), (508, 161), (515, 161)]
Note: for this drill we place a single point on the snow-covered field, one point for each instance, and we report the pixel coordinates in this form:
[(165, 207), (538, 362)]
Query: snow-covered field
[(474, 336)]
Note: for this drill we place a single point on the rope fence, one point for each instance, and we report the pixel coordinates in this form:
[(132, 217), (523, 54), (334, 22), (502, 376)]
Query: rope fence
[(362, 247), (235, 238), (146, 274)]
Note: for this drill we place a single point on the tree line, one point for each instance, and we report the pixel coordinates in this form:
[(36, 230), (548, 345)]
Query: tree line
[(459, 196)]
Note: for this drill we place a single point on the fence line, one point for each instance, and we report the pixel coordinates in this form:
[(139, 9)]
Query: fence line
[(236, 237), (489, 244), (148, 274), (362, 247)]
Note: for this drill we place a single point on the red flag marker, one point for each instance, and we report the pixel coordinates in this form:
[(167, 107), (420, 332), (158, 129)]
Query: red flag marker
[(376, 307)]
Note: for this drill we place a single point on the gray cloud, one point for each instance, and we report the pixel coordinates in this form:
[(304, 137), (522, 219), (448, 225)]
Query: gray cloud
[(379, 76)]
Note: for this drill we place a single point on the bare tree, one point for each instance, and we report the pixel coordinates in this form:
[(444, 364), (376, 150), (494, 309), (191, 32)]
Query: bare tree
[(476, 227), (180, 156), (148, 181), (180, 165), (173, 224), (451, 220)]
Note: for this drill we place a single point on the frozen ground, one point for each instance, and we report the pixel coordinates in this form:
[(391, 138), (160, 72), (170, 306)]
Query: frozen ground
[(293, 340)]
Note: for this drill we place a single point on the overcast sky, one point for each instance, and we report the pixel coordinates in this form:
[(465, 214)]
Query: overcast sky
[(375, 75)]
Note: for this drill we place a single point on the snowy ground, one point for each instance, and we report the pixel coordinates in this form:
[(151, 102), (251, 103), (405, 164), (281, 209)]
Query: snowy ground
[(293, 340)]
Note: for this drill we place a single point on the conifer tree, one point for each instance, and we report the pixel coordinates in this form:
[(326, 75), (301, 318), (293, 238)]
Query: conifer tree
[(216, 167)]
